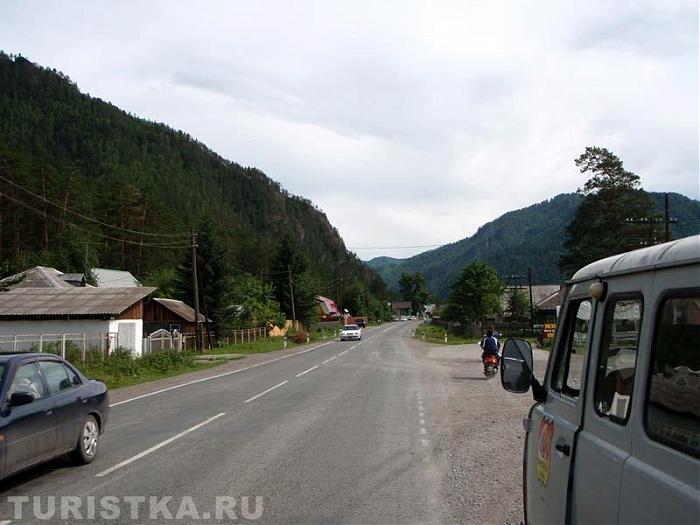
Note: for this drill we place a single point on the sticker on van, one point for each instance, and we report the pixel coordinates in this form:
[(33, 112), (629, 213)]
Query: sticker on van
[(544, 449)]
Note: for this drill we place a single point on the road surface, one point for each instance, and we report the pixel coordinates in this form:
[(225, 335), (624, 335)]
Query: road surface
[(387, 430)]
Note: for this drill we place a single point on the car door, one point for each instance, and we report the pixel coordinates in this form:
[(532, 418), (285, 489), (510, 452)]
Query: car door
[(68, 400), (603, 443), (554, 423), (29, 430)]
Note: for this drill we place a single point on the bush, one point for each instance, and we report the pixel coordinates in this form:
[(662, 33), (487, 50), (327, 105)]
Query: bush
[(299, 337)]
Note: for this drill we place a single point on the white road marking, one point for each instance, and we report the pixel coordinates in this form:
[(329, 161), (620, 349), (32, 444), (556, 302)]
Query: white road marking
[(5, 522), (422, 422), (424, 442), (159, 445), (423, 431), (343, 352), (267, 391), (209, 378), (307, 371), (421, 414), (328, 360)]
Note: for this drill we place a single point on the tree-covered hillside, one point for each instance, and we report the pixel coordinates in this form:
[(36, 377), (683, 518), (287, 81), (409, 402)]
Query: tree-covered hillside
[(99, 177), (530, 237)]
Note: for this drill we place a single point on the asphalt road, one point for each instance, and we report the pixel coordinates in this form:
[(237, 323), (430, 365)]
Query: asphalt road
[(340, 433)]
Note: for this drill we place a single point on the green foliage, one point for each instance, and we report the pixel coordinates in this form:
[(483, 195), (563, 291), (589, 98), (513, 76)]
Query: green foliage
[(166, 279), (518, 303), (121, 368), (291, 277), (607, 171), (598, 228), (531, 237), (412, 288), (475, 294), (249, 302), (81, 155)]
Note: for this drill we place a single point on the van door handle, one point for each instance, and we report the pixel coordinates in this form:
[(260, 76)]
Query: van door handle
[(49, 412), (563, 447), (83, 401)]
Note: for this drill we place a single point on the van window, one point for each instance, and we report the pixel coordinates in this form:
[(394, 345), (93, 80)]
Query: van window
[(673, 407), (618, 359), (573, 347)]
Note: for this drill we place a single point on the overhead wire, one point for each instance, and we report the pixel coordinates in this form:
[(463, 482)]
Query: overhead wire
[(91, 219), (174, 244)]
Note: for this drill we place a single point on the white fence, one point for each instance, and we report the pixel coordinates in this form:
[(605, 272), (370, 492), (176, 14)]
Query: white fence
[(59, 343), (234, 337)]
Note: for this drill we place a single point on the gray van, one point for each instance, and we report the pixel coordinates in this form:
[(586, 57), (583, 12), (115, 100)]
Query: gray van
[(614, 435)]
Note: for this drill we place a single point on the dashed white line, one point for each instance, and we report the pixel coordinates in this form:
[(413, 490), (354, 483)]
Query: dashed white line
[(343, 352), (159, 445), (423, 431), (424, 442), (307, 371), (328, 360), (422, 422), (267, 391), (209, 378)]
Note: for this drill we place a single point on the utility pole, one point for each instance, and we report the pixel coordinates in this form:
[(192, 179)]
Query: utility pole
[(366, 302), (291, 293), (195, 293), (667, 224), (529, 285)]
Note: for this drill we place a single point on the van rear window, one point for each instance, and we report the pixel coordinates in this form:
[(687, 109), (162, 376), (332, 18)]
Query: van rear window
[(673, 407)]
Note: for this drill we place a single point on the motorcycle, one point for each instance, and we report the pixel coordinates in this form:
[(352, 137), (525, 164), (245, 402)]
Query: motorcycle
[(491, 363)]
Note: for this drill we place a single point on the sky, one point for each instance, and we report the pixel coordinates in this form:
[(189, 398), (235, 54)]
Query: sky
[(408, 123)]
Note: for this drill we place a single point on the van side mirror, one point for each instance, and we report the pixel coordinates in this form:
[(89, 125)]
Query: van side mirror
[(516, 366), (20, 398)]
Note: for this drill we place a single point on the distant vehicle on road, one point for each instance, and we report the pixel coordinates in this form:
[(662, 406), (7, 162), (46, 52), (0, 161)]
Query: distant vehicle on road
[(614, 435), (48, 409), (350, 332)]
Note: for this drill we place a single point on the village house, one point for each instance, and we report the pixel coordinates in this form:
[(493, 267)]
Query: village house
[(77, 312), (171, 315)]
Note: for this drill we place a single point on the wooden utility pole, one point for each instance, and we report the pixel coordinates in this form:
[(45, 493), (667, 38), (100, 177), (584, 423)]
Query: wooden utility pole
[(291, 293), (195, 294), (529, 285)]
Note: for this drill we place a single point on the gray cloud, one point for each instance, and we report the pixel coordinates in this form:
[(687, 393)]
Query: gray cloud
[(408, 122)]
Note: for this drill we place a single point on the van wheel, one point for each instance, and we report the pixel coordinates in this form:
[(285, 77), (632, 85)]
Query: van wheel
[(86, 449)]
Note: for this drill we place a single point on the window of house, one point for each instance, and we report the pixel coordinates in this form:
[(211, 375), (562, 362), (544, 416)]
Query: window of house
[(673, 404), (573, 348), (618, 359)]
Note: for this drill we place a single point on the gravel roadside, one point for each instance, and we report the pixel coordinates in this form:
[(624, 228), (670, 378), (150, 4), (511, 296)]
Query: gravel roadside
[(478, 434)]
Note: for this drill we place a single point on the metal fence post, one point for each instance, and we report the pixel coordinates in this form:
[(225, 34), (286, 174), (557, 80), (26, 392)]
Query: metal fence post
[(84, 351), (41, 342), (63, 346), (14, 343)]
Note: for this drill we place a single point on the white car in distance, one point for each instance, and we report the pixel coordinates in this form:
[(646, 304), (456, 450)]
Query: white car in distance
[(350, 332)]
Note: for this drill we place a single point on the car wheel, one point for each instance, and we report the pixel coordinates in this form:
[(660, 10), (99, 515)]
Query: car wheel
[(86, 449)]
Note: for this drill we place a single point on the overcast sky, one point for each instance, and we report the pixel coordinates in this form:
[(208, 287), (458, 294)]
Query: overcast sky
[(408, 123)]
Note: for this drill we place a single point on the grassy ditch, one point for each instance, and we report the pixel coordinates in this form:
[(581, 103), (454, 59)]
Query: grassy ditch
[(121, 369)]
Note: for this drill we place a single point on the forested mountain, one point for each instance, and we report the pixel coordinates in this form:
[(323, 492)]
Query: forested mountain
[(97, 177), (530, 237)]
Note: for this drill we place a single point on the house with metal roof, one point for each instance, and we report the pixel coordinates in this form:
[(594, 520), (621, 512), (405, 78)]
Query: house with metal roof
[(93, 312), (106, 278), (171, 315), (43, 277)]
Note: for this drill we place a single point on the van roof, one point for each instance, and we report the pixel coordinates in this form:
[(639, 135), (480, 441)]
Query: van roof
[(675, 253)]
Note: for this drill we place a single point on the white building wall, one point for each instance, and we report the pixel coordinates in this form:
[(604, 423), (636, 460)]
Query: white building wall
[(90, 327), (135, 343)]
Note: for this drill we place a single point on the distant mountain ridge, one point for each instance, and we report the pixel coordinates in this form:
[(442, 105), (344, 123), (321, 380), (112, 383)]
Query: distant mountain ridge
[(529, 237)]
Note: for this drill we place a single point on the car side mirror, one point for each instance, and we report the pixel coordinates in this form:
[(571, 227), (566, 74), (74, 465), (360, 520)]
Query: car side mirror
[(21, 398), (516, 366)]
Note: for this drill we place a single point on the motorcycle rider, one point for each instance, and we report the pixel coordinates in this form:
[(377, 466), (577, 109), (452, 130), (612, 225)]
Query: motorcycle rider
[(489, 344)]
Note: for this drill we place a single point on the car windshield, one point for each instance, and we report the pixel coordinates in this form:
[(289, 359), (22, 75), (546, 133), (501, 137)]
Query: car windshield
[(351, 327)]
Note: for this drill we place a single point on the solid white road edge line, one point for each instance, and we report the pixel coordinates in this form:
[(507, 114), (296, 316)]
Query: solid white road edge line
[(307, 371), (341, 353), (159, 445), (216, 376), (328, 360), (266, 391)]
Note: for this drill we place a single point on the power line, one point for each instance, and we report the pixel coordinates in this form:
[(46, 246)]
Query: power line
[(96, 221), (175, 244), (393, 247)]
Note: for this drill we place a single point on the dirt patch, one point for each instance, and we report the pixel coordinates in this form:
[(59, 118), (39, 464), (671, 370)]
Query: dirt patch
[(478, 435)]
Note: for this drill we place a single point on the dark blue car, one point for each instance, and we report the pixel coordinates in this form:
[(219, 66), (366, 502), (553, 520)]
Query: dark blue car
[(48, 409)]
